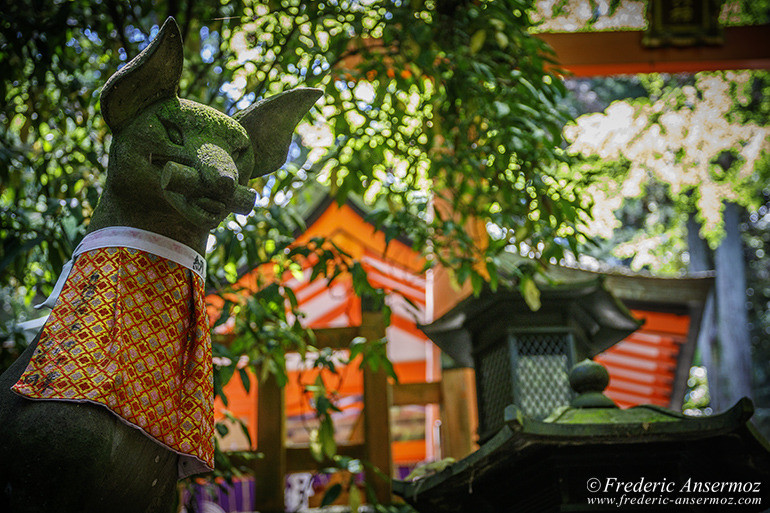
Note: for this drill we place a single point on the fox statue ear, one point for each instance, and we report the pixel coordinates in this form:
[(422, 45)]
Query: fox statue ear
[(270, 124), (150, 76)]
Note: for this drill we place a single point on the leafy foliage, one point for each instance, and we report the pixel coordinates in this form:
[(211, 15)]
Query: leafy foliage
[(421, 97), (687, 146), (696, 401), (425, 102), (580, 15), (53, 142), (428, 103)]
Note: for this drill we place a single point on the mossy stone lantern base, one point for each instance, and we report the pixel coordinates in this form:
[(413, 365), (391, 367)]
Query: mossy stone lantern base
[(593, 456)]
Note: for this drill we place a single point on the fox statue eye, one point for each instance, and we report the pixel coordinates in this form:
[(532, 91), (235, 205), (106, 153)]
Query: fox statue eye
[(238, 153), (174, 133)]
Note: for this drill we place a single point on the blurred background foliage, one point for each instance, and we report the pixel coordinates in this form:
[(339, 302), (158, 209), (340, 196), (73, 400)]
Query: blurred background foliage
[(598, 15)]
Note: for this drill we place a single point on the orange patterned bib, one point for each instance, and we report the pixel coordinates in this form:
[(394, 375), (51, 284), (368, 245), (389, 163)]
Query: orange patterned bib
[(129, 331)]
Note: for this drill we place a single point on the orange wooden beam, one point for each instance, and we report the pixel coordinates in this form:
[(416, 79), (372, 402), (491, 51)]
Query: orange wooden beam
[(587, 54), (416, 393)]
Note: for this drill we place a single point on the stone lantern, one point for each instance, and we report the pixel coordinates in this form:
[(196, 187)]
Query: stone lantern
[(522, 357)]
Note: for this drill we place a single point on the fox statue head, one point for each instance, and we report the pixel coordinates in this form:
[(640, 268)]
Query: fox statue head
[(177, 167)]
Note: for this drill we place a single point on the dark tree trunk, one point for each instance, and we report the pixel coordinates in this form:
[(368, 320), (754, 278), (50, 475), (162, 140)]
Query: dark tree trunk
[(700, 261), (734, 341), (700, 253)]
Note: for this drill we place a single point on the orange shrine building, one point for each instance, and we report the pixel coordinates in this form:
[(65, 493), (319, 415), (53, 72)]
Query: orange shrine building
[(650, 366), (394, 267)]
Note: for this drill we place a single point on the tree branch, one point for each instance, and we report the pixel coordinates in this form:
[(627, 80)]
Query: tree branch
[(187, 17), (117, 19)]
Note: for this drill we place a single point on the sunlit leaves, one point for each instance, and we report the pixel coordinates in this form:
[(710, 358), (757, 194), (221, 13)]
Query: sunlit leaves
[(696, 138), (426, 99), (580, 15), (530, 292), (374, 355)]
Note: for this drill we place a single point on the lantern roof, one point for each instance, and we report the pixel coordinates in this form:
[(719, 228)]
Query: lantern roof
[(585, 306), (532, 465)]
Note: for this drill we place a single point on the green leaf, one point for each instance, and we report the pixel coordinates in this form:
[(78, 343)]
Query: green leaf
[(222, 376), (502, 109), (357, 346), (331, 495), (501, 39), (224, 315), (493, 275), (354, 497), (390, 371), (326, 437), (477, 41), (462, 273), (477, 282), (530, 292), (245, 379), (316, 447)]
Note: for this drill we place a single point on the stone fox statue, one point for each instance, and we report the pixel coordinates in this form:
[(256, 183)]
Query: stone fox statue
[(113, 401)]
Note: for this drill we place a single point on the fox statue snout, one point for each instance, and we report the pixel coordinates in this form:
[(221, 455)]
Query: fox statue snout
[(92, 415), (187, 183)]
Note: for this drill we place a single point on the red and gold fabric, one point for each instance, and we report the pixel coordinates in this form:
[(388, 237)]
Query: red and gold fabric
[(129, 332)]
